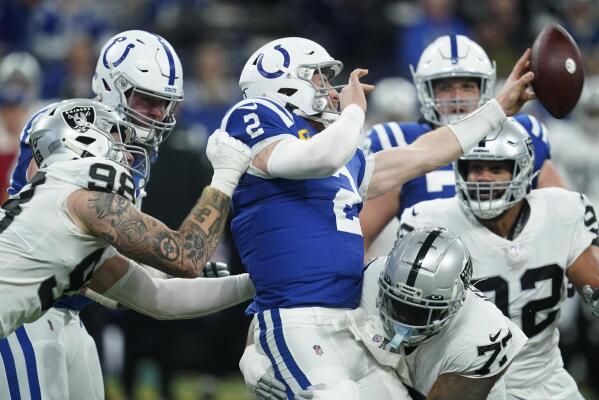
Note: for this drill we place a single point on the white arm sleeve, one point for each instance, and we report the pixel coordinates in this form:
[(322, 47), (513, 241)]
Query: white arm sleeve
[(178, 298), (323, 154)]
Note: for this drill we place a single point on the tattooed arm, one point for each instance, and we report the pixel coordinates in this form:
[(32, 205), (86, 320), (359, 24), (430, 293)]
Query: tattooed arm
[(142, 238), (456, 387)]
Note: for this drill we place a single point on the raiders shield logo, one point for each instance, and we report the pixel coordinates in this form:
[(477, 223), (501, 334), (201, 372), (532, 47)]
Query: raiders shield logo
[(78, 117)]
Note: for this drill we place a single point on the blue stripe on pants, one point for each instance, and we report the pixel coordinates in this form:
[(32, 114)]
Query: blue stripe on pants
[(284, 350), (30, 363), (264, 344), (11, 370)]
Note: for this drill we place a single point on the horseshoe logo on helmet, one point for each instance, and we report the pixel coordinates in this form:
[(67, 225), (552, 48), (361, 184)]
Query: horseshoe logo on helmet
[(276, 74), (123, 56)]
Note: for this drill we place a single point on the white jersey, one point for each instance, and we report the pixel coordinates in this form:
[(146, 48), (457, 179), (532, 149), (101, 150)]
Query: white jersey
[(479, 341), (44, 254), (525, 277)]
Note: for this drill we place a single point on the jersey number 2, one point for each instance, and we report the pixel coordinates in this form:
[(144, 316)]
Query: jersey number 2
[(252, 122)]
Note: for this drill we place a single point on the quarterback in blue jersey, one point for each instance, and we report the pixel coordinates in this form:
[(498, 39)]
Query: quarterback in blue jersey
[(296, 209), (454, 76)]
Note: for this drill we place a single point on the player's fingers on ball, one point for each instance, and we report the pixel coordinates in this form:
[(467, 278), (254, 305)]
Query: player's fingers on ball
[(527, 78)]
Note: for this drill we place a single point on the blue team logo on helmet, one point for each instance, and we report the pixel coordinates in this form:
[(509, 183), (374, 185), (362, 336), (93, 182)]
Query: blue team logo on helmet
[(122, 57), (276, 74)]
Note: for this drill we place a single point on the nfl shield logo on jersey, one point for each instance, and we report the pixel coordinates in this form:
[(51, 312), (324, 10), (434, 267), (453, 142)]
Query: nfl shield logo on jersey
[(317, 349), (79, 118)]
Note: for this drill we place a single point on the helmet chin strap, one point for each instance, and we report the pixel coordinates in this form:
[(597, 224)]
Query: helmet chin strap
[(401, 333)]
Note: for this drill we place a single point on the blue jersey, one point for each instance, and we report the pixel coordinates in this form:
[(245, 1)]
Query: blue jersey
[(300, 240), (440, 183)]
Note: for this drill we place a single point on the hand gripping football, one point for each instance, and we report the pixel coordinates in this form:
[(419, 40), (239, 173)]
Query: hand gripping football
[(559, 76)]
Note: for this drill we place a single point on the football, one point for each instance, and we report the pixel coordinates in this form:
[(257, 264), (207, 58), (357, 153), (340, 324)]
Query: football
[(559, 76)]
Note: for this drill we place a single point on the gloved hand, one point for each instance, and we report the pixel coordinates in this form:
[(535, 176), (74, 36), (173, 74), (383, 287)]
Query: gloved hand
[(259, 376), (230, 158), (591, 297), (270, 388), (215, 269)]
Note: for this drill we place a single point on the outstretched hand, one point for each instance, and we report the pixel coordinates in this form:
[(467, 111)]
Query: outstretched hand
[(355, 91), (516, 90)]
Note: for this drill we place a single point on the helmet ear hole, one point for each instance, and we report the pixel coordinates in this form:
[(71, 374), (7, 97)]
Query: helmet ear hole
[(287, 91), (106, 87), (85, 139)]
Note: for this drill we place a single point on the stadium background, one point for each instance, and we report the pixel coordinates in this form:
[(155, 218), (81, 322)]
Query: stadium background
[(197, 359)]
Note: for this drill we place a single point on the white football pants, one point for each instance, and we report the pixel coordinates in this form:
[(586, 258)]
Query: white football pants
[(313, 346), (53, 358)]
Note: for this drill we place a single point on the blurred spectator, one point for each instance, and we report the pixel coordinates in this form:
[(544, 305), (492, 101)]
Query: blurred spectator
[(210, 82), (574, 142), (438, 18), (209, 91), (15, 17), (19, 88), (501, 31), (582, 21), (395, 100), (79, 66)]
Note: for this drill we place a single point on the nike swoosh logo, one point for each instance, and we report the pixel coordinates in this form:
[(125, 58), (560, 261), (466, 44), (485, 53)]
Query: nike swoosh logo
[(494, 338), (414, 213), (252, 106)]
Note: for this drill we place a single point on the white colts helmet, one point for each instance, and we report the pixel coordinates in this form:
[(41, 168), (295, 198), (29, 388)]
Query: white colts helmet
[(451, 56), (138, 62), (80, 128), (487, 200), (283, 69)]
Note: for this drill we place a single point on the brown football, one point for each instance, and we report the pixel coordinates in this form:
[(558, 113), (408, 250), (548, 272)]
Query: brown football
[(559, 75)]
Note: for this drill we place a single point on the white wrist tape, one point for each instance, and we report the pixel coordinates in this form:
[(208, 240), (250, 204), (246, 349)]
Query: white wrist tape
[(474, 127), (225, 180), (322, 155)]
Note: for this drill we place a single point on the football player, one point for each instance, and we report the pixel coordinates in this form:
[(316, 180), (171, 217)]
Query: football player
[(138, 74), (296, 220), (454, 76), (420, 316), (53, 233), (524, 245)]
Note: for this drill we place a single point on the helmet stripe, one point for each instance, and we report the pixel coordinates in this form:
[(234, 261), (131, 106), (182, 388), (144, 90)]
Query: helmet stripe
[(454, 48), (171, 60), (428, 243)]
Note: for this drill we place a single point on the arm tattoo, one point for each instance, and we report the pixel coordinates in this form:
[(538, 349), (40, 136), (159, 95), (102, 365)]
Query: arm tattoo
[(203, 227), (147, 240)]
